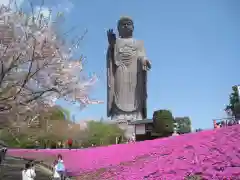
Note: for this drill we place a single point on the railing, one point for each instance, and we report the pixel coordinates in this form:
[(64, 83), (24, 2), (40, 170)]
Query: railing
[(223, 122)]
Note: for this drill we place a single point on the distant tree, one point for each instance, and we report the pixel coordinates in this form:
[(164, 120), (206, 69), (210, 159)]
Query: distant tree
[(198, 130), (183, 125), (101, 120), (55, 130), (66, 113), (50, 125), (96, 133), (163, 122), (58, 113), (233, 108), (100, 133), (237, 111)]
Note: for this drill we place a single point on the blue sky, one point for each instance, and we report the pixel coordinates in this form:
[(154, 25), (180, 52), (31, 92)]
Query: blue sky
[(193, 47)]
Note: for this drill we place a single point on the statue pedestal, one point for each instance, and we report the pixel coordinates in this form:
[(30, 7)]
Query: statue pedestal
[(123, 119), (129, 129), (175, 134)]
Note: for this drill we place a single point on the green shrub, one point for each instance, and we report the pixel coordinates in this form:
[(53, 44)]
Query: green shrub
[(163, 122), (183, 125)]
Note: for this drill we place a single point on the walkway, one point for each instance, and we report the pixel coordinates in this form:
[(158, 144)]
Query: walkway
[(11, 170)]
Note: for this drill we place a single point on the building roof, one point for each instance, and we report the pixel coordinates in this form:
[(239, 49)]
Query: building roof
[(144, 121)]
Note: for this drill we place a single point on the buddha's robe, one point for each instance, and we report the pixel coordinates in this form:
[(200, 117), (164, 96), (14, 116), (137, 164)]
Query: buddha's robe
[(126, 79)]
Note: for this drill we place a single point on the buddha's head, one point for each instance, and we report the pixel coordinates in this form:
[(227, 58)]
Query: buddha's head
[(125, 27)]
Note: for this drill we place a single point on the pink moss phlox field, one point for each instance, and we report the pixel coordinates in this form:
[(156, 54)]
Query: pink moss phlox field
[(214, 154)]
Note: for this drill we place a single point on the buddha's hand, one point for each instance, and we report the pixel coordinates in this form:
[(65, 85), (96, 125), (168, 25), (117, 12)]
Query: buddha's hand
[(111, 37), (146, 65)]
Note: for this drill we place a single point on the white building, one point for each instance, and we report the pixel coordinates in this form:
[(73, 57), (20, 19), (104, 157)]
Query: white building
[(142, 127)]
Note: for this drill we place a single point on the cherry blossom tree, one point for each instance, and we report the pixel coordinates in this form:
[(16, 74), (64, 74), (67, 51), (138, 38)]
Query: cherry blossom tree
[(36, 66)]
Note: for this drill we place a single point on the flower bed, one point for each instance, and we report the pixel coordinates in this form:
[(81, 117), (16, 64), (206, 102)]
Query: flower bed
[(212, 154)]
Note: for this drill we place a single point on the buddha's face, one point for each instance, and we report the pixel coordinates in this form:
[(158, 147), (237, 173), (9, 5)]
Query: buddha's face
[(125, 28)]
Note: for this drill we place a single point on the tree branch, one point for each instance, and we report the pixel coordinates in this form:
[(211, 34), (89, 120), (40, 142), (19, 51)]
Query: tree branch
[(29, 70), (9, 69), (40, 94)]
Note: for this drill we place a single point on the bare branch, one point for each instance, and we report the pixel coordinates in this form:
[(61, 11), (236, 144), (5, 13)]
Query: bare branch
[(4, 73), (40, 9), (40, 94)]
